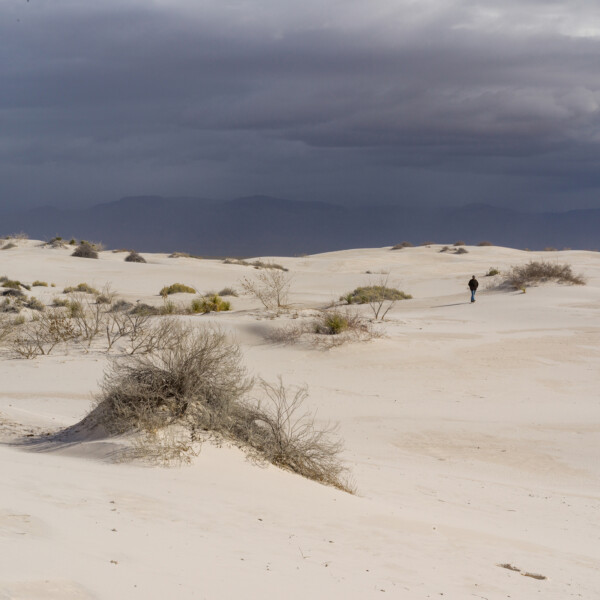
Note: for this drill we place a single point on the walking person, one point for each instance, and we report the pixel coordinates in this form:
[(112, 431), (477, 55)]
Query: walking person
[(473, 285)]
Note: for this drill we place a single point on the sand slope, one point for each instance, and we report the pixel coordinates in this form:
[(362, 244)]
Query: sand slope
[(472, 432)]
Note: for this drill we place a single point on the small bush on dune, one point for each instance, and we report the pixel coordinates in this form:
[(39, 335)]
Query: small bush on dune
[(135, 257), (13, 293), (427, 243), (461, 251), (9, 245), (208, 304), (492, 271), (257, 264), (484, 243), (83, 288), (176, 288), (270, 287), (199, 384), (39, 284), (85, 250), (12, 284), (402, 245), (34, 304), (228, 292), (332, 323), (445, 249), (459, 243), (370, 293), (540, 272)]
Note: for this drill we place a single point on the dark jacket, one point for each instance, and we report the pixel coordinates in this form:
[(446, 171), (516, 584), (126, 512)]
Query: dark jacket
[(473, 284)]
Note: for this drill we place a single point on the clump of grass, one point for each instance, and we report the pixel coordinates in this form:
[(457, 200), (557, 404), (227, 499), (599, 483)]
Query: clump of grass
[(12, 284), (445, 249), (403, 245), (184, 255), (176, 288), (257, 264), (143, 309), (485, 243), (332, 323), (60, 302), (85, 250), (83, 288), (492, 271), (135, 257), (461, 251), (38, 283), (540, 272), (374, 293), (460, 243), (34, 304), (206, 304), (228, 292)]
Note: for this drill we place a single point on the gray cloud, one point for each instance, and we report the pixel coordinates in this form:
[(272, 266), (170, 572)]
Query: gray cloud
[(394, 101)]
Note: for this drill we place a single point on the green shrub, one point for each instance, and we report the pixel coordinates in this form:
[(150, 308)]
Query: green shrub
[(12, 284), (374, 293), (177, 288), (208, 304), (492, 271), (39, 284), (83, 288), (332, 323), (60, 302)]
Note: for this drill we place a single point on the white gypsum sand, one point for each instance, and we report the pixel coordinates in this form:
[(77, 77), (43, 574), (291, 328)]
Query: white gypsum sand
[(471, 431)]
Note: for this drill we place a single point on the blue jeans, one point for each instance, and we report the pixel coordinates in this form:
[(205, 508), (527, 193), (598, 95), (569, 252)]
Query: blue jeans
[(473, 295)]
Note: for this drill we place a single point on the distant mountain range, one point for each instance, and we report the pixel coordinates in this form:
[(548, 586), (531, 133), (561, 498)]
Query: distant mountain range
[(261, 225)]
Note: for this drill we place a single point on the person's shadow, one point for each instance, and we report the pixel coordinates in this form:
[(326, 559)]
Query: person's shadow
[(455, 304)]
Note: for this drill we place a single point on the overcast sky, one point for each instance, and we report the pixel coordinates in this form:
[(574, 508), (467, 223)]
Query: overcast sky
[(418, 102)]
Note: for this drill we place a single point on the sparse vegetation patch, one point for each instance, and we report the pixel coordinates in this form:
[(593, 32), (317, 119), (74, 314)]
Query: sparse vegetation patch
[(85, 250), (176, 288), (541, 272), (135, 257), (402, 245), (83, 288)]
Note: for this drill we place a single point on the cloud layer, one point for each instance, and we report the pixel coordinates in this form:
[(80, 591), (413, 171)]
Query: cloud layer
[(427, 101)]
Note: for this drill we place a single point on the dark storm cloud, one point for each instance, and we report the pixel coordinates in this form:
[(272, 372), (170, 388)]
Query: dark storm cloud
[(394, 100)]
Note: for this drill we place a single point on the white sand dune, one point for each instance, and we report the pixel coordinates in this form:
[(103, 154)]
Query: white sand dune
[(472, 432)]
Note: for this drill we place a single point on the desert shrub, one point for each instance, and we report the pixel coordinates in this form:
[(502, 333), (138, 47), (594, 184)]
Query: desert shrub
[(332, 323), (371, 293), (184, 255), (8, 306), (34, 304), (427, 243), (280, 430), (83, 288), (145, 309), (103, 299), (270, 287), (9, 245), (121, 305), (484, 243), (39, 284), (72, 242), (121, 250), (540, 272), (445, 249), (12, 284), (85, 250), (459, 243), (13, 293), (176, 288), (257, 264), (461, 251), (492, 271), (60, 302), (135, 257), (550, 249), (402, 245), (197, 382), (228, 292), (56, 242), (206, 304), (3, 278), (40, 336)]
